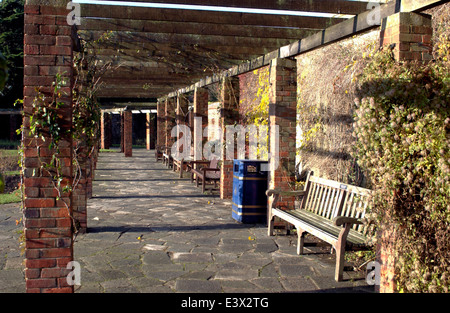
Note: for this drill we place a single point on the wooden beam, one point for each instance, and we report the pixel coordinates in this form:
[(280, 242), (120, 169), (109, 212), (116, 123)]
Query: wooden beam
[(183, 39), (418, 5), (192, 28), (195, 16), (148, 50), (327, 6)]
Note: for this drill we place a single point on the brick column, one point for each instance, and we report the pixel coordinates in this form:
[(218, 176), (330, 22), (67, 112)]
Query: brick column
[(148, 130), (170, 106), (105, 130), (228, 116), (128, 133), (181, 110), (152, 131), (282, 117), (161, 124), (411, 33), (47, 222), (121, 132), (201, 96)]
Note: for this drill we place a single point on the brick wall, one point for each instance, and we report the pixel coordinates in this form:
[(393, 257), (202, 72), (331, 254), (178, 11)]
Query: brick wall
[(47, 222)]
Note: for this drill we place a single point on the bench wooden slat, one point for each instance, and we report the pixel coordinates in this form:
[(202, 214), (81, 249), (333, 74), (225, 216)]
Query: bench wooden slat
[(330, 202), (310, 196)]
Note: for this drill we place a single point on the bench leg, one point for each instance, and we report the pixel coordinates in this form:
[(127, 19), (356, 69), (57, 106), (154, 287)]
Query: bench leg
[(203, 185), (270, 225), (300, 241), (340, 252)]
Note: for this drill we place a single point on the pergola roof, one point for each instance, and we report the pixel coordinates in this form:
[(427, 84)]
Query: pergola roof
[(161, 51)]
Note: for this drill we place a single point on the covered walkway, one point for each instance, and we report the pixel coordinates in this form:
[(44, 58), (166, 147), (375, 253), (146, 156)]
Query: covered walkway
[(150, 231)]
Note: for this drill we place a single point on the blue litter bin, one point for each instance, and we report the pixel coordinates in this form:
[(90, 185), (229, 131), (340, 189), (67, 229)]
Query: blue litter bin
[(249, 191)]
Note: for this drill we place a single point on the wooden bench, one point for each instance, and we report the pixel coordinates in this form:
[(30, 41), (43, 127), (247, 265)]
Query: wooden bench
[(209, 173), (159, 152), (167, 157), (329, 210), (182, 164)]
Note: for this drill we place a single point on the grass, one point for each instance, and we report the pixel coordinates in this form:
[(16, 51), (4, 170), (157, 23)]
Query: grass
[(9, 152), (109, 150), (11, 173), (8, 144), (13, 197)]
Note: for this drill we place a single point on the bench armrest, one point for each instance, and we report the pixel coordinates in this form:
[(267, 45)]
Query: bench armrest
[(199, 162), (277, 193), (342, 220), (210, 169)]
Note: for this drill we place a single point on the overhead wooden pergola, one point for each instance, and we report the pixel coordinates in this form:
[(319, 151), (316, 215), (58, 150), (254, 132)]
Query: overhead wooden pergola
[(157, 51), (160, 52)]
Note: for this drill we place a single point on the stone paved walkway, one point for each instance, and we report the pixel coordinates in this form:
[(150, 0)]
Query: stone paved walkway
[(149, 231)]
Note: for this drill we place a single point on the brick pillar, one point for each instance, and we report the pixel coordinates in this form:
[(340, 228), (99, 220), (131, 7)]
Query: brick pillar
[(128, 133), (411, 33), (201, 96), (161, 124), (282, 117), (181, 111), (121, 132), (152, 131), (228, 116), (47, 221), (148, 119), (169, 121), (105, 130)]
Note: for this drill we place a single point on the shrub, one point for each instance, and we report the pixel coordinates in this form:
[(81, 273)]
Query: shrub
[(402, 130)]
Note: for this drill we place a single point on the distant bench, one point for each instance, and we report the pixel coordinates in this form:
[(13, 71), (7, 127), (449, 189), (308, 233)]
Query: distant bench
[(329, 210), (159, 153), (209, 173)]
